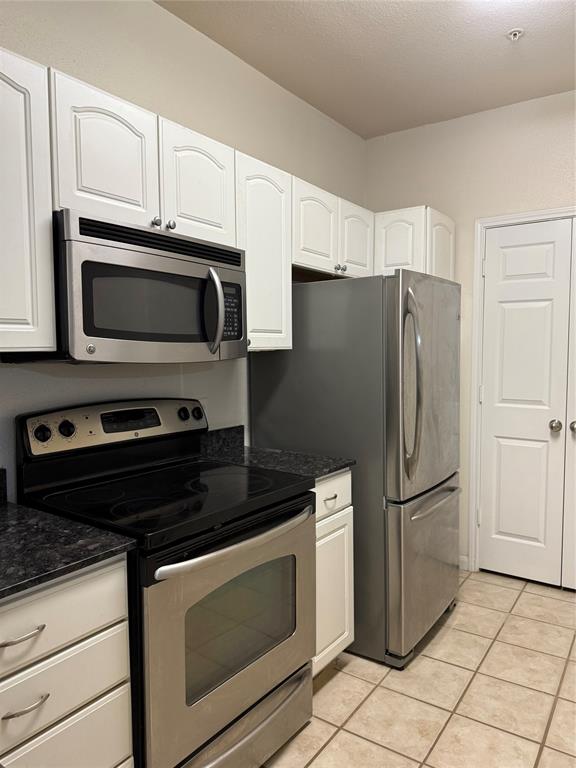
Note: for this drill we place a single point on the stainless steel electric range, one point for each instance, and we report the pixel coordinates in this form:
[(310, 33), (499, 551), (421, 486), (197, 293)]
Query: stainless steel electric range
[(222, 583)]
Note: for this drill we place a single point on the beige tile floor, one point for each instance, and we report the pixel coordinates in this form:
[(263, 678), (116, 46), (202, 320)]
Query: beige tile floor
[(493, 686)]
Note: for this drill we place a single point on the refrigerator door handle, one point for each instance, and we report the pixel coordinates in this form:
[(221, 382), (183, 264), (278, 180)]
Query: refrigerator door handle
[(427, 512), (411, 308)]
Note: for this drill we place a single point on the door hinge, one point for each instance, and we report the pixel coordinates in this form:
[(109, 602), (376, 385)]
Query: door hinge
[(481, 393), (477, 517), (483, 267)]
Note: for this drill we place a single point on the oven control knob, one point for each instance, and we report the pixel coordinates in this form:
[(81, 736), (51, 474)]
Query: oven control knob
[(42, 433), (66, 428), (183, 413), (198, 413)]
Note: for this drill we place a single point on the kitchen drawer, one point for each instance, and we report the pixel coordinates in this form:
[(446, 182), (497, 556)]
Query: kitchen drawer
[(333, 493), (72, 678), (70, 611), (98, 736)]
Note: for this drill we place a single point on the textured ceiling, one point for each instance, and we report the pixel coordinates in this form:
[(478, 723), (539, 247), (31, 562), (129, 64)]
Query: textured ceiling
[(378, 66)]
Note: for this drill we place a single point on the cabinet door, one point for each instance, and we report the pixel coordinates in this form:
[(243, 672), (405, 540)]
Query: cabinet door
[(400, 240), (569, 545), (105, 153), (356, 240), (264, 217), (197, 184), (315, 227), (440, 251), (334, 587), (26, 273)]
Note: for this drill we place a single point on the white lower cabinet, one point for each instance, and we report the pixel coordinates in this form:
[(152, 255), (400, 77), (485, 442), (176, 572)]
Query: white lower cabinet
[(64, 684), (334, 586), (98, 736)]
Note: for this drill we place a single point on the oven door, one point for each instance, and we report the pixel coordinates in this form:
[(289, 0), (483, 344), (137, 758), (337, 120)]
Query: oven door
[(223, 630), (126, 306)]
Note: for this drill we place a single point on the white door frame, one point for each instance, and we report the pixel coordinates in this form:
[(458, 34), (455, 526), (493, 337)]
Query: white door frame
[(482, 225)]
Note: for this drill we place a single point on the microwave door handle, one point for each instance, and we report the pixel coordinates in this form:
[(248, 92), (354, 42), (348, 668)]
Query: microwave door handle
[(188, 566), (214, 345)]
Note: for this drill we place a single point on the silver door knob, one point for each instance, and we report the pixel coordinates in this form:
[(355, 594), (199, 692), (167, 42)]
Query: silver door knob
[(337, 267), (573, 426), (343, 267), (555, 425), (156, 221), (171, 224)]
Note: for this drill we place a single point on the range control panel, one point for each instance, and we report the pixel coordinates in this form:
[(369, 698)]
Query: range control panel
[(233, 312), (100, 424)]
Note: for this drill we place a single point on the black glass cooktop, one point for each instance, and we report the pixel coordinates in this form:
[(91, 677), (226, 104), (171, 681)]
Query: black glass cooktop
[(170, 503)]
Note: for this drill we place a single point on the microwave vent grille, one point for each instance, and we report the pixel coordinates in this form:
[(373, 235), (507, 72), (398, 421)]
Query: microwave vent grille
[(184, 247)]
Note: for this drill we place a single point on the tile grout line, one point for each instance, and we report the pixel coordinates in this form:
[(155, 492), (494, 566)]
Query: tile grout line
[(554, 706), (465, 691), (475, 672)]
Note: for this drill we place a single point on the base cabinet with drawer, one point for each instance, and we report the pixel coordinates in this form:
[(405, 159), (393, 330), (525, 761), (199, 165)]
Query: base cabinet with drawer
[(65, 697), (334, 569)]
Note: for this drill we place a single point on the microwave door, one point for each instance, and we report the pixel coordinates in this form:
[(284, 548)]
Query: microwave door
[(125, 307)]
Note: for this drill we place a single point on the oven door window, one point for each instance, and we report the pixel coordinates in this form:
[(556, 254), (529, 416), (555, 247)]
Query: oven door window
[(144, 305), (238, 623)]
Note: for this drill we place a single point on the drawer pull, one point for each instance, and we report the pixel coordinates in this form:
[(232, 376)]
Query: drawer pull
[(42, 700), (331, 498), (23, 638)]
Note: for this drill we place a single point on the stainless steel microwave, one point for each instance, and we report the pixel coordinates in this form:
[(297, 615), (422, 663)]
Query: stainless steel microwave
[(131, 294)]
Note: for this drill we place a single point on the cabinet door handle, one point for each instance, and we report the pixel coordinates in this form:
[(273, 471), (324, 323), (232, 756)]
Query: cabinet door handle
[(171, 224), (23, 638), (26, 711), (343, 267), (156, 221), (331, 498)]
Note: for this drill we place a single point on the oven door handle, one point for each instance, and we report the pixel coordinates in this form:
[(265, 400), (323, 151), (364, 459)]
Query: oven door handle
[(214, 346), (189, 566)]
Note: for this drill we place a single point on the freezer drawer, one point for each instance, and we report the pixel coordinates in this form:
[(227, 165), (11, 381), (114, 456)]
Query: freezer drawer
[(422, 544)]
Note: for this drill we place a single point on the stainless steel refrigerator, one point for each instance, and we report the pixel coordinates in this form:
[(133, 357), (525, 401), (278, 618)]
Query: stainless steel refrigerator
[(374, 375)]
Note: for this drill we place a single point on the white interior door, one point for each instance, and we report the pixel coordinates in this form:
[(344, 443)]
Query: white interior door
[(197, 180), (264, 218), (569, 554), (525, 363)]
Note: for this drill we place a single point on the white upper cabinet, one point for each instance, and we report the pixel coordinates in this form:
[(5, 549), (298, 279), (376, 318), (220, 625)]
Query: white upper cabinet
[(197, 176), (440, 248), (264, 220), (400, 240), (26, 272), (315, 227), (356, 244), (105, 153), (417, 238)]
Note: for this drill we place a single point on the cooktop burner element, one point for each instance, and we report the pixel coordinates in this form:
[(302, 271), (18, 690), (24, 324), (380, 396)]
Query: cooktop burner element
[(167, 503)]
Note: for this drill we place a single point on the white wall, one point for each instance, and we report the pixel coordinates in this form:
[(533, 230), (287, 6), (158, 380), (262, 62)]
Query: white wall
[(512, 159), (221, 387), (141, 52)]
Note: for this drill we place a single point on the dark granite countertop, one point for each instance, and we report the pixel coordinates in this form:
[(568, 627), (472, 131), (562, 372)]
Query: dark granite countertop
[(228, 445), (38, 546)]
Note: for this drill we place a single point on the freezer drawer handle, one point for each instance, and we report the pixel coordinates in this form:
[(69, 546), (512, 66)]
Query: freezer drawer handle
[(426, 512), (188, 566)]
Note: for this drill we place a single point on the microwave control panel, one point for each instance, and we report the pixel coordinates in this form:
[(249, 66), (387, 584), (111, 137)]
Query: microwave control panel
[(233, 312)]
